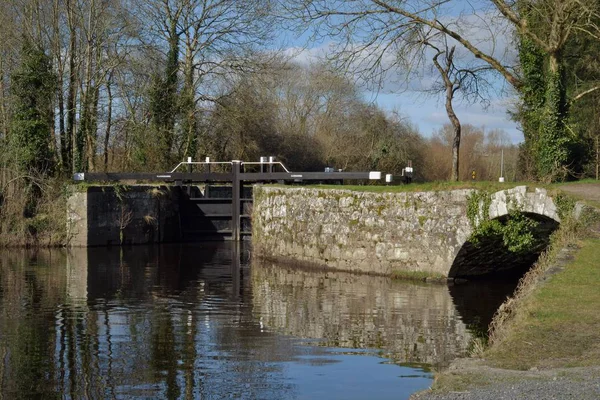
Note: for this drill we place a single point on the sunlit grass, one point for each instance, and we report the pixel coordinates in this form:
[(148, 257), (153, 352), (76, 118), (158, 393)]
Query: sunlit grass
[(489, 186), (559, 325)]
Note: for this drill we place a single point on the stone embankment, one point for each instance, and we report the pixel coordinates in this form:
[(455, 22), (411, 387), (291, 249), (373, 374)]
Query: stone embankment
[(403, 233), (375, 233)]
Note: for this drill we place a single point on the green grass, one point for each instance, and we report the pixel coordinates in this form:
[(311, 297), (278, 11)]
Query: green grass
[(556, 326), (491, 186), (488, 186), (559, 324)]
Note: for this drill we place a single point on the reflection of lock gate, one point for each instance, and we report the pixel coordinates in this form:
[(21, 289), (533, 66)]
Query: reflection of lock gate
[(223, 212)]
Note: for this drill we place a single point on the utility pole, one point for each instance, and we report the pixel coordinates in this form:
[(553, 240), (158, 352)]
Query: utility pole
[(501, 166)]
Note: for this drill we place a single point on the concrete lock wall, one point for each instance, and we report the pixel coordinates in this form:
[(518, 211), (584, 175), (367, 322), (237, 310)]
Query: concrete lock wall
[(114, 215), (365, 232), (377, 233)]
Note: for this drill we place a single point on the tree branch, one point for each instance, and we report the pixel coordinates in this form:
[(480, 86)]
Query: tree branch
[(584, 93), (437, 25)]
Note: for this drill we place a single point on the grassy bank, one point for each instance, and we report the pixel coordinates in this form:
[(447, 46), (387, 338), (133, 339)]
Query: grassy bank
[(558, 325), (488, 186), (33, 212), (423, 187), (418, 276)]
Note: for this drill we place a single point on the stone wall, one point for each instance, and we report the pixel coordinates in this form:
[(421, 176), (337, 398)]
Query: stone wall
[(366, 232), (114, 215), (383, 233)]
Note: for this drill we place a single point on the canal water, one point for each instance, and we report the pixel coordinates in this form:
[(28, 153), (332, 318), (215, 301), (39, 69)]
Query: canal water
[(189, 321)]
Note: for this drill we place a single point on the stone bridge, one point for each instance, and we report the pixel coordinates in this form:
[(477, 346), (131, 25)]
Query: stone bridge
[(420, 233)]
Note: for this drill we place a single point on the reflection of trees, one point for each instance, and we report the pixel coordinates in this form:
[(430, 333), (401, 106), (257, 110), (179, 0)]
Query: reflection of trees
[(414, 323), (147, 321), (30, 286)]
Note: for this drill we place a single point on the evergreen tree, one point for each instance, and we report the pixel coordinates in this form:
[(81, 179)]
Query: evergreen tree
[(164, 102), (33, 85)]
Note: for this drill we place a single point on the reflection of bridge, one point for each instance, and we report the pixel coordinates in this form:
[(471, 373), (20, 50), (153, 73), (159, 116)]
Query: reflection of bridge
[(411, 323), (382, 233)]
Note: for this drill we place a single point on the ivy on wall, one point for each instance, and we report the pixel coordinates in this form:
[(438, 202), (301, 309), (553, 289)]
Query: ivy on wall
[(516, 230), (548, 152)]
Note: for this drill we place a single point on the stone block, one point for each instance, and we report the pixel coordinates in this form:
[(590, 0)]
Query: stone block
[(550, 209)]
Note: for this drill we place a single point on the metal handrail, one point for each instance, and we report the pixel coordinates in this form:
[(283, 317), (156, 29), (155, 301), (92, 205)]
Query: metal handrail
[(230, 163), (267, 163), (199, 163)]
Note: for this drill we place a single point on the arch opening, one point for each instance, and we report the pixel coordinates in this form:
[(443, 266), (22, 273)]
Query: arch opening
[(490, 258)]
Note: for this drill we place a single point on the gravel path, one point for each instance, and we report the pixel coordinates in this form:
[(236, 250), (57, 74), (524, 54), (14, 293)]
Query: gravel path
[(491, 383)]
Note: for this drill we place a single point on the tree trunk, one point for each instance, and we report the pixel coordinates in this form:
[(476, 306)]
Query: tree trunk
[(553, 149), (108, 122), (455, 176), (61, 125), (597, 157), (60, 71), (3, 113), (455, 152), (87, 93), (189, 104), (53, 147), (92, 130), (451, 87), (71, 95)]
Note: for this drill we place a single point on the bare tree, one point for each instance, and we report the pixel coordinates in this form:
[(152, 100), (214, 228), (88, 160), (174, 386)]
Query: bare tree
[(377, 36), (469, 81), (216, 39)]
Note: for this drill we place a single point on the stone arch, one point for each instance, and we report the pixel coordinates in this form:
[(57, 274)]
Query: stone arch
[(534, 202), (490, 258)]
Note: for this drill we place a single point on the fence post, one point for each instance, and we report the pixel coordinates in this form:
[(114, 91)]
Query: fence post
[(236, 186)]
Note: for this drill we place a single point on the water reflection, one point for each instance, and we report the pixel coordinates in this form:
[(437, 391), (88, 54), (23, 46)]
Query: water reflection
[(188, 322), (477, 301), (410, 323)]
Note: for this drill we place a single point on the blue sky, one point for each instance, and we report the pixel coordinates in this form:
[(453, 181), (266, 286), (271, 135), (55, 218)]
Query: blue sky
[(485, 28), (429, 114)]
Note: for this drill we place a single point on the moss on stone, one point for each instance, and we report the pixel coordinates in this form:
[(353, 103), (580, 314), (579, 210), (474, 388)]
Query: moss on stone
[(418, 276)]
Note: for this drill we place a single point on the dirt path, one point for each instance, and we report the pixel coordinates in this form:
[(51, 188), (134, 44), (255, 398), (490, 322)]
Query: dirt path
[(586, 191)]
